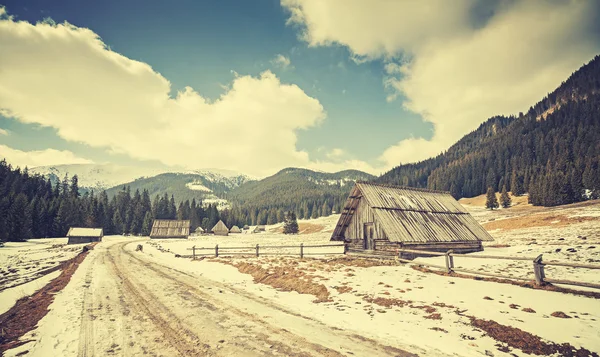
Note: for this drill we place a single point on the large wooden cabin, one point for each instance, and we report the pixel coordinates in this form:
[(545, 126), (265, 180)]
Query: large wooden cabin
[(385, 218)]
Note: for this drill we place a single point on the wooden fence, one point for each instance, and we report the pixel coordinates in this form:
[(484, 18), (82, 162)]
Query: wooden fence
[(217, 251), (538, 266), (537, 262)]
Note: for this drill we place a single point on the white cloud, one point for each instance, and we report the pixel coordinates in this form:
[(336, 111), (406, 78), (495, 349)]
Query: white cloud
[(64, 77), (4, 132), (281, 61), (35, 158), (458, 75)]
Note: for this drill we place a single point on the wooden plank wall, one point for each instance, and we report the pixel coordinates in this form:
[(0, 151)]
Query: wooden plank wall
[(363, 214)]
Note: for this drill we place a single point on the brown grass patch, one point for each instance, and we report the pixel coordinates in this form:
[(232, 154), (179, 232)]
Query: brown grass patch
[(285, 279), (29, 310), (536, 220), (387, 302), (303, 228), (525, 341), (560, 314), (358, 262), (528, 309), (438, 329), (435, 316), (342, 289)]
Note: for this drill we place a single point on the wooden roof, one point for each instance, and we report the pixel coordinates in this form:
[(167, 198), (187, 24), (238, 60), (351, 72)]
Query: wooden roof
[(85, 232), (235, 229), (413, 215), (170, 228), (220, 227)]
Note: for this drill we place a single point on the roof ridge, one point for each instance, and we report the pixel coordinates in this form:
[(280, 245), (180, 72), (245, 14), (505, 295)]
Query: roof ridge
[(402, 187)]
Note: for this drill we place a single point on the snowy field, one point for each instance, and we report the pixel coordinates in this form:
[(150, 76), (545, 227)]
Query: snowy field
[(25, 267), (394, 304)]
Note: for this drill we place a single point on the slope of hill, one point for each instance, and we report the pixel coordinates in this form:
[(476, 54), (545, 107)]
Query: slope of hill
[(300, 190), (209, 187), (552, 151)]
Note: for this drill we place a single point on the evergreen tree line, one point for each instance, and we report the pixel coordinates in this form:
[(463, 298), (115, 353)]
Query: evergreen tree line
[(246, 214), (552, 152), (31, 206)]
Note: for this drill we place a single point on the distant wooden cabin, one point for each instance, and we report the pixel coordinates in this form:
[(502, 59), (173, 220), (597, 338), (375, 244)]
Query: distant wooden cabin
[(198, 231), (259, 228), (170, 228), (79, 235), (385, 218), (220, 229), (235, 229), (246, 227)]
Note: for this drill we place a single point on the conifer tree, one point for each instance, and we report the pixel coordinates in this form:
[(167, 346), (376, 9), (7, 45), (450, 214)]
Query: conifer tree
[(147, 225), (491, 200), (505, 199), (290, 225)]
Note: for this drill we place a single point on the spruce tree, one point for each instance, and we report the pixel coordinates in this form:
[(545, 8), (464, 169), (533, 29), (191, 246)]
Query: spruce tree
[(147, 225), (505, 199), (290, 225), (491, 200)]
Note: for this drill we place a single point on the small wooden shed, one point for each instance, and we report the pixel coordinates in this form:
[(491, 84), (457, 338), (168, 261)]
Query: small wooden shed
[(220, 229), (259, 228), (170, 228), (235, 229), (386, 218), (77, 235)]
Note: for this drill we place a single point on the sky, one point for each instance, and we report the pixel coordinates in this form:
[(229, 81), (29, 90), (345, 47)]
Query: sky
[(257, 86)]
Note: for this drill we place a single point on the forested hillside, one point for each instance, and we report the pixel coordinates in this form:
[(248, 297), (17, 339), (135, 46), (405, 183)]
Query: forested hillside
[(184, 186), (552, 151), (308, 193)]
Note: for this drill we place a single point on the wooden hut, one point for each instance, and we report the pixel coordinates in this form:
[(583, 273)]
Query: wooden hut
[(259, 228), (386, 218), (235, 229), (220, 229), (170, 228), (79, 235)]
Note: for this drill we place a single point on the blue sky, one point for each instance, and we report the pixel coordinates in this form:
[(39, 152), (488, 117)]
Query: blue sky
[(385, 108)]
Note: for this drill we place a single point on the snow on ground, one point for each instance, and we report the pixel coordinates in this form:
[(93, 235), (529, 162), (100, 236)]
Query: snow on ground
[(400, 304), (22, 262), (394, 303), (9, 297)]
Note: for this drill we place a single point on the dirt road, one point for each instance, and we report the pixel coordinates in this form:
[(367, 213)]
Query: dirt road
[(134, 306)]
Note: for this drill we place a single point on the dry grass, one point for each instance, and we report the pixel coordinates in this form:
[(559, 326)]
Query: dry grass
[(303, 228), (285, 279), (29, 310), (537, 220), (525, 341), (343, 289), (560, 314), (529, 310)]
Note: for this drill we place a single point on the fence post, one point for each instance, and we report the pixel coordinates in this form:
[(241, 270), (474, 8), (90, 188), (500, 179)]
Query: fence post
[(216, 251), (538, 269), (345, 247), (194, 252), (449, 261), (301, 250), (257, 250)]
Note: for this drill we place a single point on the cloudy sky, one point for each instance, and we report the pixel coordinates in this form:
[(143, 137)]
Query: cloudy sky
[(256, 86)]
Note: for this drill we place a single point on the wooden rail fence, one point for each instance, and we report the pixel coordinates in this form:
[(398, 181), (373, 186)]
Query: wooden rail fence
[(216, 251), (538, 266), (538, 263)]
